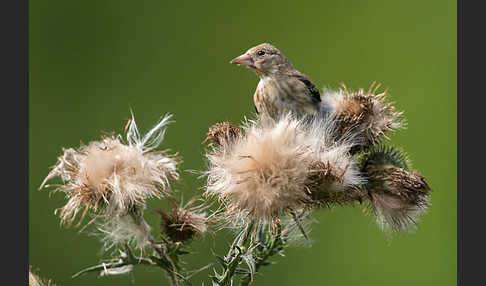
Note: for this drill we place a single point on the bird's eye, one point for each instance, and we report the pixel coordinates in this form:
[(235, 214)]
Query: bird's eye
[(260, 53)]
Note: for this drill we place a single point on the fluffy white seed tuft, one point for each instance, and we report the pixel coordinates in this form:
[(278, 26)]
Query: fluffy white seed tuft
[(365, 114), (265, 172), (114, 176), (126, 229)]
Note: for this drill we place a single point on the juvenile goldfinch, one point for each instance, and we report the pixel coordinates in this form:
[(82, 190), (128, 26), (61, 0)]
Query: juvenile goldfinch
[(282, 88)]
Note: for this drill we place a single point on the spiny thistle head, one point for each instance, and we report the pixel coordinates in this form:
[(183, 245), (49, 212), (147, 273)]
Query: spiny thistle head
[(265, 172), (222, 133), (382, 156), (184, 222), (366, 115), (114, 176), (398, 196)]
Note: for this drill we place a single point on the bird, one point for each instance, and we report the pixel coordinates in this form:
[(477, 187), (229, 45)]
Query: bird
[(282, 88)]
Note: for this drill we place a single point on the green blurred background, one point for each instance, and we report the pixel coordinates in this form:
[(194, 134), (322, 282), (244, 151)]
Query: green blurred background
[(91, 61)]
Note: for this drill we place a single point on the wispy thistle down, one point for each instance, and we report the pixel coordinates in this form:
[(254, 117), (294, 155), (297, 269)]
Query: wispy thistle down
[(128, 229), (367, 115), (267, 171), (185, 221), (397, 195), (113, 176)]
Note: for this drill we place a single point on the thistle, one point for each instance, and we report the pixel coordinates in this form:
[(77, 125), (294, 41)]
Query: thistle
[(397, 195), (264, 173), (184, 222), (112, 177), (222, 133), (365, 115)]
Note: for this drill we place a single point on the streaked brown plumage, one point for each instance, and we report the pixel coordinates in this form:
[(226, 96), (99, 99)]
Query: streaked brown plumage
[(282, 88)]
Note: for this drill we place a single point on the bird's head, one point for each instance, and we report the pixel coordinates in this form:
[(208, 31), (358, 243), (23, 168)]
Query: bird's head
[(264, 60)]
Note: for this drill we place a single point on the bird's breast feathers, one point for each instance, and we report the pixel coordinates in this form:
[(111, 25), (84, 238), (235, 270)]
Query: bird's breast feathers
[(287, 89), (277, 94)]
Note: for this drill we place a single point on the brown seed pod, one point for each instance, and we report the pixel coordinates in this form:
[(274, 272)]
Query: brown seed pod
[(222, 133), (184, 222), (397, 196), (365, 115)]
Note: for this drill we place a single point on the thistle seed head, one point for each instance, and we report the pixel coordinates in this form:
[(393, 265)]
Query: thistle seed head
[(265, 172), (397, 196), (222, 133), (367, 115), (113, 176), (184, 222)]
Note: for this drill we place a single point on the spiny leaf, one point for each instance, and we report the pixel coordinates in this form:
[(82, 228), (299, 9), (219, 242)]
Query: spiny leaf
[(99, 267), (241, 271), (222, 262)]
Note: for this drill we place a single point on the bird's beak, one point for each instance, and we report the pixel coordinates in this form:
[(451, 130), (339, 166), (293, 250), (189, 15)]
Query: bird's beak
[(244, 59)]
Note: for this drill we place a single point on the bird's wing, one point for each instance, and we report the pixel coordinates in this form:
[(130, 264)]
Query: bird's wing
[(314, 92)]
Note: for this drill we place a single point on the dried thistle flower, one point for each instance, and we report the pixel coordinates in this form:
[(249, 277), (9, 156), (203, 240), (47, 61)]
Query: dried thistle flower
[(398, 196), (114, 176), (366, 115), (184, 222), (222, 133), (265, 173)]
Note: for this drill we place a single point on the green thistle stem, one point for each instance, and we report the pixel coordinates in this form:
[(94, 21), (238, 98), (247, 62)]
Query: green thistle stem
[(274, 247), (231, 269)]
